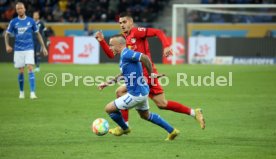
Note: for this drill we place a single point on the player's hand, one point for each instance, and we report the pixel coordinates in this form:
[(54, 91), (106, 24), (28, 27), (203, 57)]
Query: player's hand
[(160, 75), (153, 75), (9, 49), (99, 36), (167, 51), (102, 86), (45, 52)]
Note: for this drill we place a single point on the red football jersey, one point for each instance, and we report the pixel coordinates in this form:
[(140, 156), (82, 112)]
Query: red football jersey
[(137, 41)]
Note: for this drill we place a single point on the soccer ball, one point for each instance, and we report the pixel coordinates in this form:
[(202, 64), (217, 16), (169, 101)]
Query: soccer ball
[(100, 126)]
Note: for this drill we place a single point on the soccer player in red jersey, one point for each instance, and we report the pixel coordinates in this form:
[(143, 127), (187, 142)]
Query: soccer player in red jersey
[(136, 39)]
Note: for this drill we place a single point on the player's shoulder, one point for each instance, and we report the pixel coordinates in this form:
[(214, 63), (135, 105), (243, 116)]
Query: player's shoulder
[(30, 19), (15, 19)]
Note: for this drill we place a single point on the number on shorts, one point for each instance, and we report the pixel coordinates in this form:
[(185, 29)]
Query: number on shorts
[(128, 100)]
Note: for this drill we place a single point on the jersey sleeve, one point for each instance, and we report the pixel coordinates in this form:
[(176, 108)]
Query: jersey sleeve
[(106, 49), (11, 27), (150, 32), (132, 56)]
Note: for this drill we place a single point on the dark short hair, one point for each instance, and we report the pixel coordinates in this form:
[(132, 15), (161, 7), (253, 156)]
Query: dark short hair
[(125, 14)]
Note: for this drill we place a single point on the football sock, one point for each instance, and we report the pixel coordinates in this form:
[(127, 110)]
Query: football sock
[(32, 81), (156, 119), (125, 115), (21, 81), (117, 117), (177, 107)]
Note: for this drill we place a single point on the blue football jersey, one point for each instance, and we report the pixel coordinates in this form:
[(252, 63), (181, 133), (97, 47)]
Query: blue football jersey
[(23, 31), (132, 71)]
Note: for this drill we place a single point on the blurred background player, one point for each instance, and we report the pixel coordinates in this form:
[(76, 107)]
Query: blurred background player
[(23, 27), (37, 47), (136, 40), (137, 89)]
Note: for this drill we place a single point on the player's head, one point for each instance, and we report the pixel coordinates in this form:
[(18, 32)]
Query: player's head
[(117, 43), (20, 9), (126, 22), (36, 15)]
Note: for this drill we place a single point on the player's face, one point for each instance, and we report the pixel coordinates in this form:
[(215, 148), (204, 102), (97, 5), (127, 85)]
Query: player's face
[(126, 24), (35, 16), (114, 45), (20, 10)]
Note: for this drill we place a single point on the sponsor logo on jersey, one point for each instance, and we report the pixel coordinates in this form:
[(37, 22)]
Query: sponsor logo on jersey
[(133, 40), (22, 30)]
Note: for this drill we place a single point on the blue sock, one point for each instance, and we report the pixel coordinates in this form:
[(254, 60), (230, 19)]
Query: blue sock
[(32, 81), (117, 117), (21, 81), (156, 119)]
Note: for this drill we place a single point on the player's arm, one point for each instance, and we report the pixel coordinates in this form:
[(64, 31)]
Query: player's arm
[(109, 82), (100, 37), (39, 37), (151, 32), (7, 38), (147, 63)]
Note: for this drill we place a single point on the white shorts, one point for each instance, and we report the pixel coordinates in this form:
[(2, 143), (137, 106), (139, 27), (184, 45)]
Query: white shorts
[(22, 58), (129, 101)]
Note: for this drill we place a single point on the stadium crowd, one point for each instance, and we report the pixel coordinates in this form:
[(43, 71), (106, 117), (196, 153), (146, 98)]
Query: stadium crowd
[(85, 10), (255, 17)]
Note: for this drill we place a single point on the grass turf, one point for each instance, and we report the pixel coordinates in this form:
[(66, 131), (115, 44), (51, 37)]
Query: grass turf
[(240, 119)]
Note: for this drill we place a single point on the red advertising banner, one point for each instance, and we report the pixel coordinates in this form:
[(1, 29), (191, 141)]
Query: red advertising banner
[(179, 51), (61, 50)]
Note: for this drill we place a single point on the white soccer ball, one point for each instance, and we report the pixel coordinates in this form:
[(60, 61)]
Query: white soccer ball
[(100, 126)]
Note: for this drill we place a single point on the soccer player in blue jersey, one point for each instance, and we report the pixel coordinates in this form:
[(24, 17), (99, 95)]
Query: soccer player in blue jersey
[(137, 89), (37, 46), (23, 27)]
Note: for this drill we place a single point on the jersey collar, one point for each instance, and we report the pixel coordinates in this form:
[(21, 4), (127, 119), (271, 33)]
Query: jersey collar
[(22, 18)]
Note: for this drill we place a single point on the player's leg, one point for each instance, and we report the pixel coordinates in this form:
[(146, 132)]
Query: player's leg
[(19, 62), (21, 83), (124, 102), (120, 91), (143, 110), (116, 116), (29, 60), (37, 50), (158, 96)]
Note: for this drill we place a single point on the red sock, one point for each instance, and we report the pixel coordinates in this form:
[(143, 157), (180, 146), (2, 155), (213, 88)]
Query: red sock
[(125, 115), (177, 107)]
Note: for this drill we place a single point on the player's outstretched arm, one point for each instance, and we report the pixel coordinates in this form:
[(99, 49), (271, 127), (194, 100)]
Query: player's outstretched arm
[(39, 37), (100, 37), (150, 32), (107, 83), (8, 47)]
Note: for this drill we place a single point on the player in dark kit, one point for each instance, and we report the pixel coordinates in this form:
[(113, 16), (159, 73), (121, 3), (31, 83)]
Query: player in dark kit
[(37, 47)]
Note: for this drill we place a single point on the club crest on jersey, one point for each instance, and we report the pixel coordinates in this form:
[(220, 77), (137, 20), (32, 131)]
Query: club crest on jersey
[(28, 23), (133, 40)]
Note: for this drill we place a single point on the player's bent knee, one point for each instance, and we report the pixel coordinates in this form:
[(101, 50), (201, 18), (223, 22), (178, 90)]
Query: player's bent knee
[(161, 104), (110, 107)]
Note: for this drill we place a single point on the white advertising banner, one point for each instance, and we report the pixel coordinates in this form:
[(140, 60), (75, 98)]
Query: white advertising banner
[(86, 50), (202, 50)]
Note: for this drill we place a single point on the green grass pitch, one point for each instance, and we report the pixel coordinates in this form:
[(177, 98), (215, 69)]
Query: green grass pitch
[(240, 120)]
